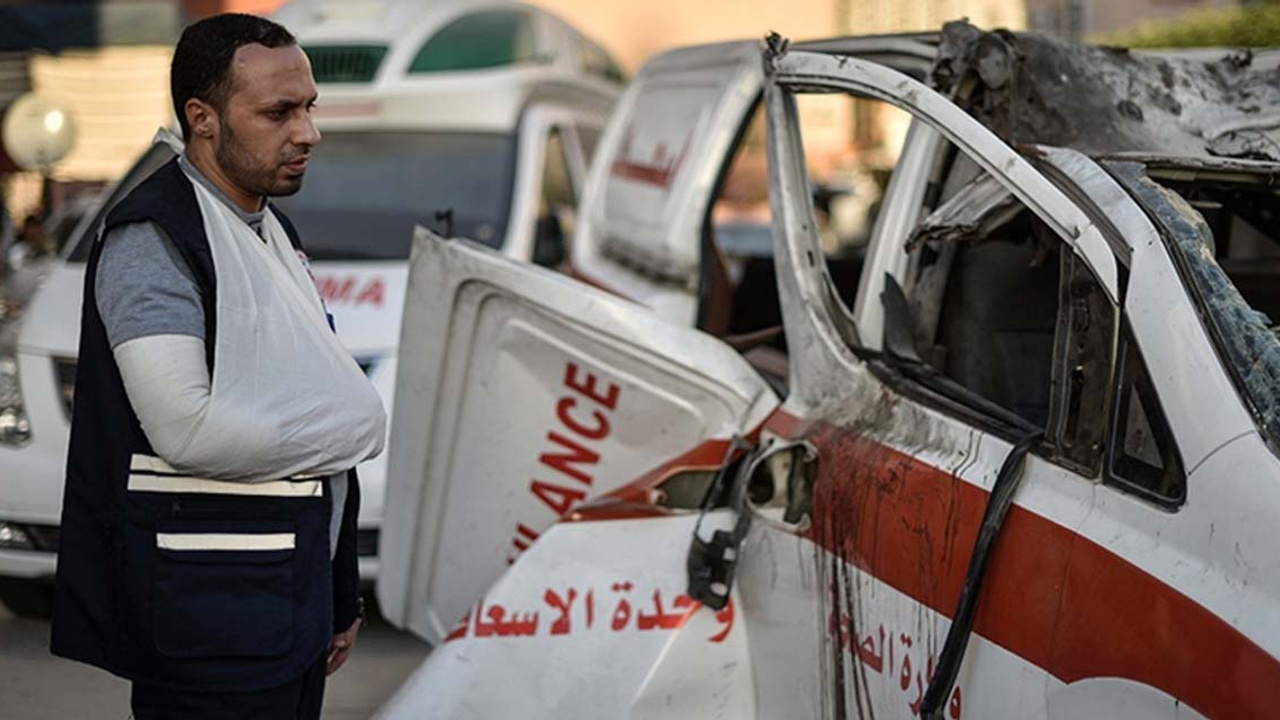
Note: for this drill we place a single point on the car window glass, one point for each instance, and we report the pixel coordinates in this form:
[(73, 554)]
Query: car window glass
[(365, 191), (1143, 458), (492, 38)]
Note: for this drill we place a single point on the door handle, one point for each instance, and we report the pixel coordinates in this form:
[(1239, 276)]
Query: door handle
[(711, 562)]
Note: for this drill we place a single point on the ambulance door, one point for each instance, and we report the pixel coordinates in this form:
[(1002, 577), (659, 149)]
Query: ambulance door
[(986, 362), (548, 174), (521, 393)]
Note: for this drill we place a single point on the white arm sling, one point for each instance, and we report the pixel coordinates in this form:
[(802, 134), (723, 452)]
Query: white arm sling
[(285, 399)]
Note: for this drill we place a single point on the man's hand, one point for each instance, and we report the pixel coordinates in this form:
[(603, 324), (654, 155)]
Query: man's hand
[(343, 643)]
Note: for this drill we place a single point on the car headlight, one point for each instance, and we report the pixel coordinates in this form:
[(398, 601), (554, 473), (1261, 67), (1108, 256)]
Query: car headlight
[(13, 537), (15, 429)]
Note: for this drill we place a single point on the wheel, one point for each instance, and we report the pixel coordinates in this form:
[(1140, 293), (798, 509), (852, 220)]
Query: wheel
[(27, 598)]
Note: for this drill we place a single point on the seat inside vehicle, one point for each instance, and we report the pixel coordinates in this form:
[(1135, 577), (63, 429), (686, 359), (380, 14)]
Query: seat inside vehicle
[(985, 297)]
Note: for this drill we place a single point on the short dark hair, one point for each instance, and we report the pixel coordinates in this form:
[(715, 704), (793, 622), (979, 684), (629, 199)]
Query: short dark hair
[(201, 65)]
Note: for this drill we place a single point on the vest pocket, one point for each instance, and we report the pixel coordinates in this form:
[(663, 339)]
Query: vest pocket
[(220, 594)]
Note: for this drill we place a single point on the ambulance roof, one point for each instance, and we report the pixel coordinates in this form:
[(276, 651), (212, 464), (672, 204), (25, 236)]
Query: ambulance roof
[(397, 64)]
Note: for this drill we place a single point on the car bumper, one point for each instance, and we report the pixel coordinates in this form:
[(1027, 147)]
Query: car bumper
[(28, 564)]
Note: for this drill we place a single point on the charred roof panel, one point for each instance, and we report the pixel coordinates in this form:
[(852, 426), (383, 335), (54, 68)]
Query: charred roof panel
[(1031, 88)]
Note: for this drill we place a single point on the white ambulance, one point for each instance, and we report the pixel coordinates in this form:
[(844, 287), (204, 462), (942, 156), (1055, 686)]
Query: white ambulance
[(1024, 463), (475, 118)]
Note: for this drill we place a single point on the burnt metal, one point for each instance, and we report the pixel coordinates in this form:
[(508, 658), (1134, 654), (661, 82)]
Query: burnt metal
[(998, 504), (1031, 88)]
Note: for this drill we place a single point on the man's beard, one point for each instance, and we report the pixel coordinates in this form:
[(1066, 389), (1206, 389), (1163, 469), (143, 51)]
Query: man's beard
[(251, 173)]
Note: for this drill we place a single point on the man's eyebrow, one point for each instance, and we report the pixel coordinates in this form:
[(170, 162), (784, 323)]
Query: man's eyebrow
[(285, 104)]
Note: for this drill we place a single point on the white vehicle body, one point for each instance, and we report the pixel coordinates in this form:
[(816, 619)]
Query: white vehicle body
[(851, 509), (527, 117)]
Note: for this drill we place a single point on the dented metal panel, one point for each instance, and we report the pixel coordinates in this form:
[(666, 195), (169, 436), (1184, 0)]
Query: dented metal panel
[(970, 214), (527, 393)]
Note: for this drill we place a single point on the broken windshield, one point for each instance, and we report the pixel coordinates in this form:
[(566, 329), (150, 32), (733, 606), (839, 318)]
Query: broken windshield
[(1221, 232)]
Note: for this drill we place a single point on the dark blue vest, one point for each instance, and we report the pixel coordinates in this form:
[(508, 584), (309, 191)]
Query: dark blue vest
[(230, 620)]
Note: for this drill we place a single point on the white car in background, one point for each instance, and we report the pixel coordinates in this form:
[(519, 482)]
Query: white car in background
[(477, 119)]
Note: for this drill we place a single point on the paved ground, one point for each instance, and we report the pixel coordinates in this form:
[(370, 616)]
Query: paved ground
[(34, 685)]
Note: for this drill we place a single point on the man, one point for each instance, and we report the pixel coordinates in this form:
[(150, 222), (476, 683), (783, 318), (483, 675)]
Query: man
[(208, 528)]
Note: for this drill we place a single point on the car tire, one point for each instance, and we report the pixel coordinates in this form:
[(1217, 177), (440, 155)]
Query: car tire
[(27, 598)]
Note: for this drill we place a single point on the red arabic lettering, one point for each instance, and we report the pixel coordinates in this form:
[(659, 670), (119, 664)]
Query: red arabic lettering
[(658, 172), (460, 631), (904, 677), (868, 654), (490, 619), (875, 649), (622, 613), (665, 620), (563, 625), (520, 625), (725, 618)]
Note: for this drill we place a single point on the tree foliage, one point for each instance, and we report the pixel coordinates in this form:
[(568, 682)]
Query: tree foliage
[(1247, 26)]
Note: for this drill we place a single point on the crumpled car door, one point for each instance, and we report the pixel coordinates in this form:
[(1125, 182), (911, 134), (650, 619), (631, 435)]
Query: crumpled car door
[(520, 394)]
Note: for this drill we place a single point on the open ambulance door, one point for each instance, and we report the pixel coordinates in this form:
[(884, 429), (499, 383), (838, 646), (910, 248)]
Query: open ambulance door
[(521, 393)]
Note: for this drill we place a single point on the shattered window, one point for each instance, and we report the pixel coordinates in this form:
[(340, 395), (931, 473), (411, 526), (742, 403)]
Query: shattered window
[(1221, 221), (998, 315)]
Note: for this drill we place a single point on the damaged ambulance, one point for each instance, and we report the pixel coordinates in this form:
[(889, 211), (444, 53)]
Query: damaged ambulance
[(1025, 467)]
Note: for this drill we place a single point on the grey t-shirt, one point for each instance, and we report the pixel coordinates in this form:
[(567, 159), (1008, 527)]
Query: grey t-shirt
[(144, 287)]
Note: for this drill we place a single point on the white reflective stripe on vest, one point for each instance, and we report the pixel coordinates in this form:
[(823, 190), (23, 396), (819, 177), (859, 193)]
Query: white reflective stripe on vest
[(142, 480), (225, 541), (153, 464)]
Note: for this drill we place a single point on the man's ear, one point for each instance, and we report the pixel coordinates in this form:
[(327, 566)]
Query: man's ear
[(202, 118)]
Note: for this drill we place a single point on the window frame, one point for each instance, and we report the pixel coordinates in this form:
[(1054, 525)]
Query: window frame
[(935, 118), (1157, 420), (972, 408)]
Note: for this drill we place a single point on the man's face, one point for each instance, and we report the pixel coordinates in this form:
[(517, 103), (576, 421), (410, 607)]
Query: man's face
[(265, 132)]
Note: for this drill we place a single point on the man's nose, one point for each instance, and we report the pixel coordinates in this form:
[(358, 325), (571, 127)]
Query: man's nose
[(307, 134)]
